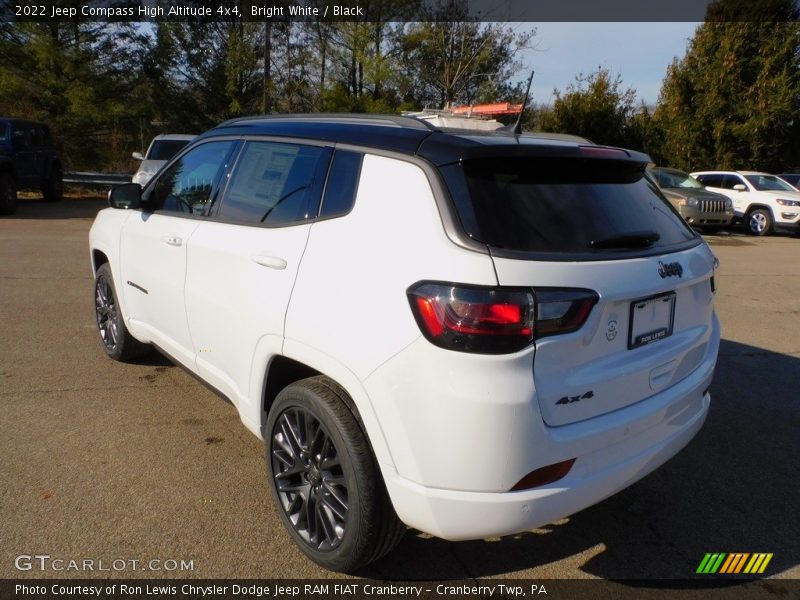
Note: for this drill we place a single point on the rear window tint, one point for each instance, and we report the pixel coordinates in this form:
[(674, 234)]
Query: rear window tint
[(563, 206), (340, 191)]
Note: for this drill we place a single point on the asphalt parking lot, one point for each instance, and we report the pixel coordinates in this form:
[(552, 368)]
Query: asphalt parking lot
[(108, 461)]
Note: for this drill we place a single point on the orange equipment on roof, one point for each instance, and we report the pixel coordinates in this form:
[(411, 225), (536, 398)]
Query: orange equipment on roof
[(488, 110)]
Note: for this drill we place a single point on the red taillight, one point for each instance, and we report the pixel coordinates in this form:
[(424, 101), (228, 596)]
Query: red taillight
[(543, 476), (496, 320), (562, 310), (474, 319)]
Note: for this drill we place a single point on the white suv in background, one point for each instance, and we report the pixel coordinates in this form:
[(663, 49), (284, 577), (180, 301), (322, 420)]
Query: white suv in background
[(762, 201), (469, 333), (161, 149)]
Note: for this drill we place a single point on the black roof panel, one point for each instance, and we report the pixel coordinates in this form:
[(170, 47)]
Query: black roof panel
[(406, 135)]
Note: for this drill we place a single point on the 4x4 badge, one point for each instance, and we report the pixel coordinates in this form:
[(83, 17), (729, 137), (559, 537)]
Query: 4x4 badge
[(571, 399), (670, 269)]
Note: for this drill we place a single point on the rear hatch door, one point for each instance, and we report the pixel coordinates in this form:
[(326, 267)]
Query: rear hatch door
[(597, 224)]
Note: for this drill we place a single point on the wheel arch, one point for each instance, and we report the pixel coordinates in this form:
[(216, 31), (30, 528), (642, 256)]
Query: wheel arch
[(297, 362), (52, 164), (99, 258), (758, 205)]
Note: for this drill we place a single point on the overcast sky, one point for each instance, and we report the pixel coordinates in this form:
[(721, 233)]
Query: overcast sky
[(639, 52)]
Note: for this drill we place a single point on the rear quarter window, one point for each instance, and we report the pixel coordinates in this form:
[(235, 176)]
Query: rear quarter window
[(563, 207), (342, 184)]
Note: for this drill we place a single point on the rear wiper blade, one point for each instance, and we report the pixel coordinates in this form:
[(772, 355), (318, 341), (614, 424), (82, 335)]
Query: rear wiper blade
[(632, 239)]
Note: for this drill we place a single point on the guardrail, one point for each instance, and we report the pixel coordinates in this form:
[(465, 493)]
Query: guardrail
[(92, 178)]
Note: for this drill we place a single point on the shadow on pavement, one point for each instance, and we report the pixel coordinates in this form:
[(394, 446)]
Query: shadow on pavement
[(69, 208), (734, 488)]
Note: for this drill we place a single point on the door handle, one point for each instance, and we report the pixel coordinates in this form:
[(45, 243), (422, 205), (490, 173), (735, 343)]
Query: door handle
[(172, 240), (273, 262)]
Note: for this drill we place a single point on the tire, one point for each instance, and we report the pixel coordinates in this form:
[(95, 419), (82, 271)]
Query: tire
[(758, 222), (8, 194), (53, 188), (324, 478), (115, 338)]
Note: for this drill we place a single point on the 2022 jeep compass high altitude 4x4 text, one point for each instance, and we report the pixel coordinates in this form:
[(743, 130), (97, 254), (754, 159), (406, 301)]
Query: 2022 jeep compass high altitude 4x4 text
[(469, 333)]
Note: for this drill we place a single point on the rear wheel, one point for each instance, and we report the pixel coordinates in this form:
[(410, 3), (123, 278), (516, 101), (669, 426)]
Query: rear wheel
[(53, 188), (759, 222), (8, 194), (322, 473), (115, 338)]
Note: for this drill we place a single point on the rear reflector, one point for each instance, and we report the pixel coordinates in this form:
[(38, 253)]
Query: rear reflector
[(543, 476)]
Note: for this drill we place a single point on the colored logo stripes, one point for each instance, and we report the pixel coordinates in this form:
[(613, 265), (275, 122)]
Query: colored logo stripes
[(734, 562)]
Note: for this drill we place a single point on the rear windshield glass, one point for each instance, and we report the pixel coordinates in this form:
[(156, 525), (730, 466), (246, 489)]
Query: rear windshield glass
[(573, 206), (675, 179), (165, 149)]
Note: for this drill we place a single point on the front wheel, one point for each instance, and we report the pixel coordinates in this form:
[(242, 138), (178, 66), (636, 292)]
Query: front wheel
[(115, 338), (8, 194), (759, 222), (322, 473), (53, 188)]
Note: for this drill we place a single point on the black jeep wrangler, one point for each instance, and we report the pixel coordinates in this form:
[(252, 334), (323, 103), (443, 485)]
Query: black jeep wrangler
[(28, 159)]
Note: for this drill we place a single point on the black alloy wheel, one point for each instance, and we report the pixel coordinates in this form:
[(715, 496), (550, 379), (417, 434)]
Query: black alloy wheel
[(325, 479), (309, 479)]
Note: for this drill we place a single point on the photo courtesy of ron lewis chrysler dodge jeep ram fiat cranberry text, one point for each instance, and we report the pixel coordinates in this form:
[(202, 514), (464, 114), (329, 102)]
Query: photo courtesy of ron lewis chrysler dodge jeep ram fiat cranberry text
[(468, 333)]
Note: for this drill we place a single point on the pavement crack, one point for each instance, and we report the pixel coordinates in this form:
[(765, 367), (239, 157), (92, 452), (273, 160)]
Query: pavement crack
[(461, 562)]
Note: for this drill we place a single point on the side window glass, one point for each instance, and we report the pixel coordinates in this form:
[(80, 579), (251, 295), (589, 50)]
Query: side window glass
[(731, 180), (20, 137), (342, 185), (188, 185), (274, 184), (37, 137), (47, 138)]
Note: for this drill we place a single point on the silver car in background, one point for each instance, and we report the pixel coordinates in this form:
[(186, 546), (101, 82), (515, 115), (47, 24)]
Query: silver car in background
[(161, 149), (698, 206)]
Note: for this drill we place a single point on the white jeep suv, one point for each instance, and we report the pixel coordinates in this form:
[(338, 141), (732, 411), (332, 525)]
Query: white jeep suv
[(760, 200), (469, 333)]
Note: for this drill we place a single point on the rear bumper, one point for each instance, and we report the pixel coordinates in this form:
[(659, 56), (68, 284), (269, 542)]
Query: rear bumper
[(457, 453), (455, 515)]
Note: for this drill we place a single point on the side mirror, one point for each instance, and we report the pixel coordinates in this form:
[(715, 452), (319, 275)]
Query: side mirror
[(137, 156), (127, 195), (740, 187)]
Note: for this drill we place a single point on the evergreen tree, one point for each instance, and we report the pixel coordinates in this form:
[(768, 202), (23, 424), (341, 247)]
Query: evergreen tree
[(733, 102), (77, 77), (595, 107)]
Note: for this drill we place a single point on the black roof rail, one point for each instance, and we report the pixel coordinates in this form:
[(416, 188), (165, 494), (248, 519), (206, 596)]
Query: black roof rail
[(352, 118)]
